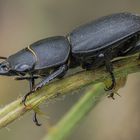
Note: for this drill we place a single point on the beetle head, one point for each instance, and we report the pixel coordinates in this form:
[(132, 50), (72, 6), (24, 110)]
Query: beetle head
[(19, 69), (6, 69), (20, 63)]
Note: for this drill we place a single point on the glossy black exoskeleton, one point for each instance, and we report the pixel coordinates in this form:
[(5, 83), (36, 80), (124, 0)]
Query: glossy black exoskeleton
[(89, 46)]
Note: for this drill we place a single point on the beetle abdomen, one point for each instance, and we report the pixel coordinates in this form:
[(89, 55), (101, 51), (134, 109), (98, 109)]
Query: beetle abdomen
[(104, 32), (51, 51)]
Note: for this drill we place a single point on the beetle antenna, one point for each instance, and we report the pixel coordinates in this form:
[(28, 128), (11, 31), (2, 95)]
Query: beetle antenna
[(1, 57)]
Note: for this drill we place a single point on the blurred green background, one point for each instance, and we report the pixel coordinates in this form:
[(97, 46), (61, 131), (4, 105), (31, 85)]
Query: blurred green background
[(23, 22)]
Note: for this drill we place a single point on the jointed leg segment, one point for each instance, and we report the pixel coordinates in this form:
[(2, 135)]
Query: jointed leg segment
[(32, 83), (109, 67)]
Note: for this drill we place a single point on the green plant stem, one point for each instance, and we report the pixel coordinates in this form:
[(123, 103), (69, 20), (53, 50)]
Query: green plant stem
[(76, 114), (61, 87)]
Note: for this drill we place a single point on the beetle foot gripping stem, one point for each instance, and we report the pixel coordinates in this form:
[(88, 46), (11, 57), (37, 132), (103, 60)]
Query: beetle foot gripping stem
[(25, 97), (111, 87), (113, 84)]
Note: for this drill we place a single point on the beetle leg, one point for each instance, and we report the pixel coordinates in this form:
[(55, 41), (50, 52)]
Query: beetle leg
[(61, 75), (32, 83), (109, 68), (46, 80), (52, 76), (35, 120), (26, 78)]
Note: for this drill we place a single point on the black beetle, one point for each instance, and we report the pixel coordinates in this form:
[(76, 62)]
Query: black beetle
[(89, 46)]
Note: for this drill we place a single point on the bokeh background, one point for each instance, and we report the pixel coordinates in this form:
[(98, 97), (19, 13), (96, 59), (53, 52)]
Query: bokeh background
[(23, 22)]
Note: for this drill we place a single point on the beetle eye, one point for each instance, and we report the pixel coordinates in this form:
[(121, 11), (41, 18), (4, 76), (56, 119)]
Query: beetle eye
[(5, 66)]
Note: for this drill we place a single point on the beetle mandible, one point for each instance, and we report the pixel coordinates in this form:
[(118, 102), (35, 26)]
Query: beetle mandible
[(90, 46)]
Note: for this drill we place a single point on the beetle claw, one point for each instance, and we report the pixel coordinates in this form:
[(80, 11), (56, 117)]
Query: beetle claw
[(111, 95), (25, 98), (35, 120), (23, 101), (29, 93)]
